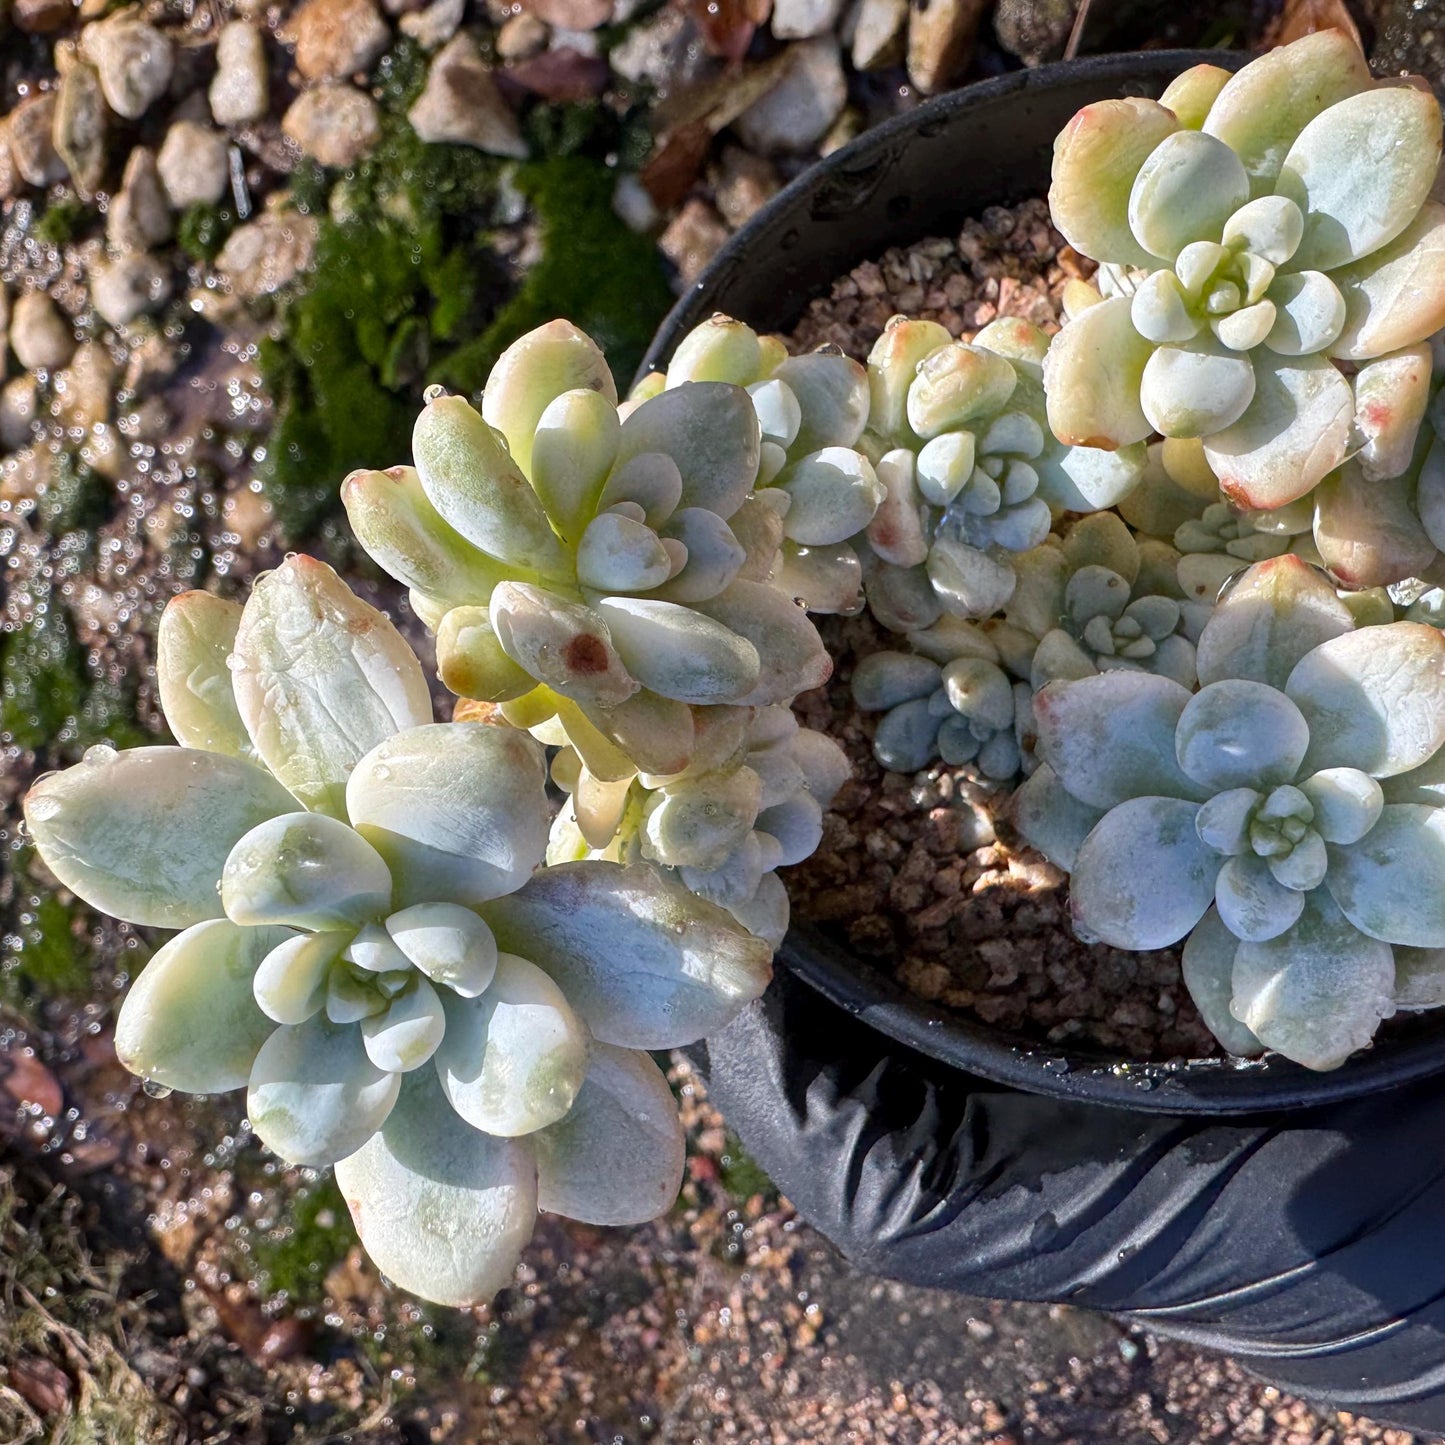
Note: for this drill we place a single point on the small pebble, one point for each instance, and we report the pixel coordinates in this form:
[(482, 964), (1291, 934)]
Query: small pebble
[(239, 91), (193, 165), (40, 336)]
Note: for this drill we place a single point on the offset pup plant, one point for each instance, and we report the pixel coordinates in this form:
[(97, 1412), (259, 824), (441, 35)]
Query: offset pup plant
[(371, 946)]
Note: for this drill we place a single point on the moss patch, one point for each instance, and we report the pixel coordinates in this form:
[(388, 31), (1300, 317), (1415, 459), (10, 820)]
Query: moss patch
[(294, 1257)]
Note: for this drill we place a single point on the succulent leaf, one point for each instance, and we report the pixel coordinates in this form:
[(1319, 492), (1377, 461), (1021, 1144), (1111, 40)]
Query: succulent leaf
[(1236, 734), (1379, 881), (1208, 966), (1396, 295), (1188, 187), (1092, 376), (197, 634)]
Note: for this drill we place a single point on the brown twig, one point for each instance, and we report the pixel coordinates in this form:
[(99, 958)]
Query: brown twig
[(1076, 33)]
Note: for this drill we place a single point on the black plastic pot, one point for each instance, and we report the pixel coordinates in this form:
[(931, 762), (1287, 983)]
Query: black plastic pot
[(924, 174)]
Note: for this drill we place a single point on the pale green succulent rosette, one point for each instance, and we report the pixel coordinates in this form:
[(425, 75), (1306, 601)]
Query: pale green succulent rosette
[(814, 477), (1248, 248), (973, 475), (1286, 818), (598, 573), (370, 946), (729, 821)]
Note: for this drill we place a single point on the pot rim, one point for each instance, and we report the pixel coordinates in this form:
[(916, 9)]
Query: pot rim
[(1218, 1085)]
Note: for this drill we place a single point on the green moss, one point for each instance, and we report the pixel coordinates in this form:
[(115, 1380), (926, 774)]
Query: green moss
[(64, 220), (45, 957), (295, 1256), (42, 677), (593, 270), (203, 230), (74, 499), (742, 1175)]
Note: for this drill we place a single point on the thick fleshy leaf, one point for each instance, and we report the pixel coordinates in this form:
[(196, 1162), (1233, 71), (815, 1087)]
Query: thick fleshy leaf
[(1190, 94), (1360, 171), (1346, 801), (305, 870), (968, 581), (321, 678), (1051, 819), (617, 1157), (823, 580), (1295, 431), (458, 810), (797, 824), (406, 1035), (534, 370), (647, 964), (1419, 977), (1096, 158), (778, 411), (1159, 309), (1391, 395), (1395, 296), (1252, 903), (1308, 316), (958, 386), (655, 734), (191, 1021), (901, 599), (1318, 991), (1369, 533), (1091, 476), (513, 1059), (143, 835), (834, 494), (896, 531), (678, 652), (443, 1210), (892, 365), (1142, 878), (714, 556), (402, 532), (1185, 191), (561, 643), (1263, 108), (1269, 619), (1092, 376), (196, 635), (1391, 884), (711, 431), (619, 554), (1224, 820), (1269, 227), (480, 491), (572, 453), (1240, 734), (832, 396), (1195, 390), (651, 480), (449, 943), (792, 658), (472, 662), (314, 1096), (1208, 966), (1110, 738), (698, 822), (718, 349), (291, 981), (1374, 699)]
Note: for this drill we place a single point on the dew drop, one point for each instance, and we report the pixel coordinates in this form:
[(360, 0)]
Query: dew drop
[(157, 1090), (99, 755)]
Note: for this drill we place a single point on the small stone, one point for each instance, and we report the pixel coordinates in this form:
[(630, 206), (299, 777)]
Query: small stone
[(42, 17), (239, 92), (79, 135), (84, 389), (139, 216), (19, 411), (31, 126), (434, 26), (10, 177), (571, 14), (522, 35), (461, 105), (878, 33), (193, 165), (127, 287), (941, 34), (40, 336), (337, 38), (269, 252), (134, 59), (803, 19), (797, 112), (694, 237), (664, 50), (633, 205), (1034, 30), (743, 182), (561, 75), (334, 124)]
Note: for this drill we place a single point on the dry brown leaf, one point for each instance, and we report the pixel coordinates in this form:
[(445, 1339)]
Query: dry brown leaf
[(1304, 17)]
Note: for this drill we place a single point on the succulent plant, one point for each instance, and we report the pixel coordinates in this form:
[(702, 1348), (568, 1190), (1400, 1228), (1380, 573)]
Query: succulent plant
[(812, 410), (599, 574), (1259, 230), (726, 823), (1286, 818), (369, 946), (973, 475)]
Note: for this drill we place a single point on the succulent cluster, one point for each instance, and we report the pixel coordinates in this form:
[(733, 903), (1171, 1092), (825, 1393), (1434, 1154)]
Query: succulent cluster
[(1262, 235), (370, 946)]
